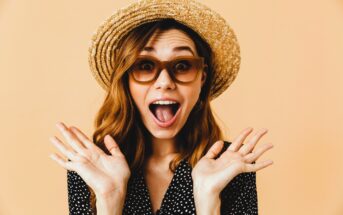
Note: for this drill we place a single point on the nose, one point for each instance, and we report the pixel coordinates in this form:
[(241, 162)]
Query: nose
[(164, 81)]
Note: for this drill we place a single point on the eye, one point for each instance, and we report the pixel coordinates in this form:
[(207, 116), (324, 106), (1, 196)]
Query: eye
[(182, 65), (146, 65)]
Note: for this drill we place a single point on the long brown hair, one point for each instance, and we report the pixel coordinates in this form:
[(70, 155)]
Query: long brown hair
[(119, 117)]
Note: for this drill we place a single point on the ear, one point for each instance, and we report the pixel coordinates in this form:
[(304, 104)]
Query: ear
[(203, 78)]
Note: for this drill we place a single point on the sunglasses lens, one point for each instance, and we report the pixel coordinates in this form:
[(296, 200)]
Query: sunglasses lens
[(144, 69), (185, 70)]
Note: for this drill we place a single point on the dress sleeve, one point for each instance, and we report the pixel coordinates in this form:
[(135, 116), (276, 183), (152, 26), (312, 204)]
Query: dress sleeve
[(240, 195), (78, 195)]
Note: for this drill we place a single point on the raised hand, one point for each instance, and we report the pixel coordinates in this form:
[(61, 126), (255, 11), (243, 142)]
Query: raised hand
[(212, 175), (105, 174)]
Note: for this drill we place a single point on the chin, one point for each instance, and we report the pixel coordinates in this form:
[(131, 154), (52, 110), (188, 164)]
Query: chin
[(171, 134)]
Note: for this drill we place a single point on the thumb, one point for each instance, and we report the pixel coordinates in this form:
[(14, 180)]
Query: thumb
[(214, 150), (111, 145)]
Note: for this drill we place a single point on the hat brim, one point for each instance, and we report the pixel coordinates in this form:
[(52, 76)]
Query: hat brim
[(210, 26)]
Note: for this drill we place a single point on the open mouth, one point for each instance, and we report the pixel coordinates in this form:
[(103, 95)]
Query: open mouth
[(164, 112)]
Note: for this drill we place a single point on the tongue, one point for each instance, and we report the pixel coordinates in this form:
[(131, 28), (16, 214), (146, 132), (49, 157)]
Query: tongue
[(164, 112)]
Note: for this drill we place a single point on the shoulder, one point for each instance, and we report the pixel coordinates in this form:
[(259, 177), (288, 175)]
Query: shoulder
[(78, 194)]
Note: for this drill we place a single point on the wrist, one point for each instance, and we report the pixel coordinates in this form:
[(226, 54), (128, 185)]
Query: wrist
[(207, 201), (207, 204), (110, 203), (111, 190), (110, 195), (201, 188)]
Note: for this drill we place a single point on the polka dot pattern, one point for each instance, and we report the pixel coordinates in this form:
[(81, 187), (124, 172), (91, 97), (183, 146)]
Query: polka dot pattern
[(78, 194), (238, 197)]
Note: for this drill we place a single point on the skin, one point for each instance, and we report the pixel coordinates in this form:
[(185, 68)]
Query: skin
[(161, 45), (210, 176), (95, 167)]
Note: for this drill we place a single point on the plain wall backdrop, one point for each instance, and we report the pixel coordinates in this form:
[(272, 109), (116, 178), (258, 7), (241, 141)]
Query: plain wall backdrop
[(290, 82)]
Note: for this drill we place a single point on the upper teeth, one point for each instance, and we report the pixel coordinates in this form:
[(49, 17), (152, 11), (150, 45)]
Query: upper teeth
[(164, 102)]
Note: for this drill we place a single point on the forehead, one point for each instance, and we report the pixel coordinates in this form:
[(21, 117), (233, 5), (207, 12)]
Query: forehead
[(173, 40)]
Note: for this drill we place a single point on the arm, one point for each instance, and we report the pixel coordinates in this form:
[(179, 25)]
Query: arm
[(110, 203), (79, 198), (91, 167), (206, 203), (209, 203), (240, 195)]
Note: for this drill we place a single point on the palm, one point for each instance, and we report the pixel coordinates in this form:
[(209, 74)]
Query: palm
[(220, 171), (214, 174), (103, 173)]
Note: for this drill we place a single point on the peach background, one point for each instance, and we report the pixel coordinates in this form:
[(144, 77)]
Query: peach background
[(290, 82)]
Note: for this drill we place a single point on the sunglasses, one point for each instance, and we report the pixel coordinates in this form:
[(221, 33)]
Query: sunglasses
[(185, 69)]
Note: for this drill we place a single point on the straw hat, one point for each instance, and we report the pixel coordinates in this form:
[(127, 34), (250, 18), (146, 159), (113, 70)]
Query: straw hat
[(207, 23)]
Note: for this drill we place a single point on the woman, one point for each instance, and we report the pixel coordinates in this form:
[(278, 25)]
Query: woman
[(157, 148)]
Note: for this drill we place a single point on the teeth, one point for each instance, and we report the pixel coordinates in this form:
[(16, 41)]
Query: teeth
[(164, 102)]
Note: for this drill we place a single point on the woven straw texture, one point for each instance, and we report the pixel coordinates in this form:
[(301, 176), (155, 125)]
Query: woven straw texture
[(212, 27)]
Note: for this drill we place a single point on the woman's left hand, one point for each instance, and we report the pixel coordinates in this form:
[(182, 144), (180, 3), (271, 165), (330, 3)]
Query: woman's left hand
[(210, 175)]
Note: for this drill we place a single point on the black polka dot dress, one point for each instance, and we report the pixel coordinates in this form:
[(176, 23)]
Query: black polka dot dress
[(238, 197)]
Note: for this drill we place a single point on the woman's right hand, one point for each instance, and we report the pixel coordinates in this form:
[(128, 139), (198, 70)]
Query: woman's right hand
[(105, 174)]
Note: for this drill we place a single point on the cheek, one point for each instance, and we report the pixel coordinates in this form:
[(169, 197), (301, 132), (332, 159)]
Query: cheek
[(191, 94), (138, 93)]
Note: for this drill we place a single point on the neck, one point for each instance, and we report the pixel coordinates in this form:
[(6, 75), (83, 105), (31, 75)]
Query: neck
[(162, 148), (163, 152)]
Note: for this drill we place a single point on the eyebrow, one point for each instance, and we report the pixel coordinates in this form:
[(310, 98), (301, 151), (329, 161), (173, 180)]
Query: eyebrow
[(178, 48)]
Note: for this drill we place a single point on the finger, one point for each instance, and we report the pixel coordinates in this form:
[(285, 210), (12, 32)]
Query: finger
[(62, 148), (236, 144), (65, 164), (112, 145), (85, 140), (248, 147), (253, 156), (71, 138), (257, 166), (215, 149)]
